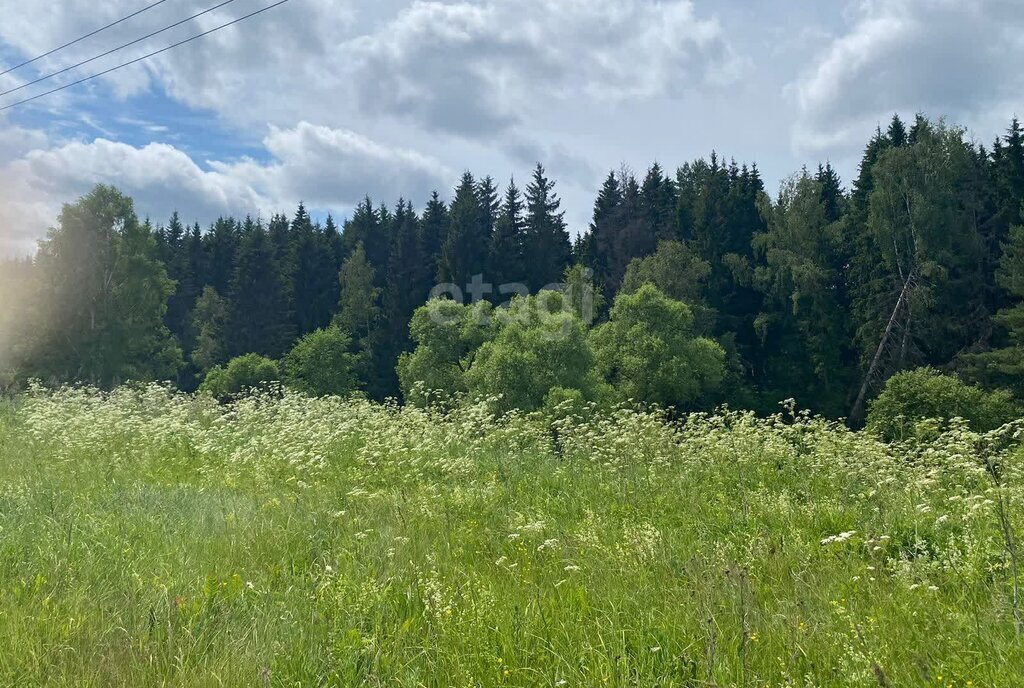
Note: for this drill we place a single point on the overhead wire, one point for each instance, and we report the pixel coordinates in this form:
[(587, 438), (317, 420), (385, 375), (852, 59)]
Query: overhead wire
[(82, 38), (114, 50), (143, 57)]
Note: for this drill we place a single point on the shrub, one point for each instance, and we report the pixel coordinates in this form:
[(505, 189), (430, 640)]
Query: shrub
[(540, 346), (912, 396), (447, 334), (240, 375), (649, 351), (322, 364)]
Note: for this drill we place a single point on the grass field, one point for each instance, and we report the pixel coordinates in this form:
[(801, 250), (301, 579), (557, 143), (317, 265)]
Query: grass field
[(147, 538)]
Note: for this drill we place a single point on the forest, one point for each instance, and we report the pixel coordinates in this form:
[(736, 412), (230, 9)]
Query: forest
[(689, 289)]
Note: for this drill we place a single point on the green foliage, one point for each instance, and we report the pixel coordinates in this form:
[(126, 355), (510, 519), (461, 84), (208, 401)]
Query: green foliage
[(804, 292), (679, 273), (548, 249), (359, 308), (464, 253), (322, 364), (1004, 366), (210, 320), (103, 296), (648, 351), (540, 345), (927, 395), (802, 260), (447, 334), (924, 230), (240, 376), (582, 295), (261, 319)]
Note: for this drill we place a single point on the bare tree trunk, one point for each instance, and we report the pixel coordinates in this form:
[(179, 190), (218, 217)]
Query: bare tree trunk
[(858, 408)]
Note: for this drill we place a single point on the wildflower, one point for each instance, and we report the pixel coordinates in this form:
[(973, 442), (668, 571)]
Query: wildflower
[(841, 537), (548, 544)]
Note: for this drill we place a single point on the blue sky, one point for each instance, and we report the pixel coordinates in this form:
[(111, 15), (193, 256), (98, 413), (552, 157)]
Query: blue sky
[(327, 100)]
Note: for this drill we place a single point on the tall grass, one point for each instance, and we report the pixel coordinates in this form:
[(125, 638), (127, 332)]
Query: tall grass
[(149, 538)]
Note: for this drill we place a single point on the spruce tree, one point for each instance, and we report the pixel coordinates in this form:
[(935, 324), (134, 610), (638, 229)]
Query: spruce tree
[(464, 253), (658, 204), (179, 268), (359, 315), (434, 230), (547, 247), (371, 228), (314, 274), (601, 245), (506, 263), (221, 244), (487, 192), (260, 316)]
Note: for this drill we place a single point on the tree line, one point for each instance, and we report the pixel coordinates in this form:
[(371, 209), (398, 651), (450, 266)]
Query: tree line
[(818, 293)]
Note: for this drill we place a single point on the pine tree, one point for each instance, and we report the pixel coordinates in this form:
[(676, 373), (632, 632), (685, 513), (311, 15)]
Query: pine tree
[(260, 316), (408, 282), (802, 324), (601, 245), (487, 192), (547, 247), (434, 230), (464, 253), (315, 274), (178, 266), (832, 196), (407, 287), (359, 315), (897, 134), (221, 244), (506, 264), (371, 228), (658, 203)]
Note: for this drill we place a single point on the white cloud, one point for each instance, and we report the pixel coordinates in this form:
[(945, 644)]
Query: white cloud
[(333, 168), (466, 67), (330, 169), (955, 58), (473, 68)]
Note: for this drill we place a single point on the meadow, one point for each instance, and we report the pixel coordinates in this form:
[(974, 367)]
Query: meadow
[(149, 537)]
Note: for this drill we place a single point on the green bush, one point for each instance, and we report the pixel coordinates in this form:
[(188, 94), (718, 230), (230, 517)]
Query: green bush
[(240, 375), (649, 351), (540, 345), (322, 364), (916, 395), (447, 334)]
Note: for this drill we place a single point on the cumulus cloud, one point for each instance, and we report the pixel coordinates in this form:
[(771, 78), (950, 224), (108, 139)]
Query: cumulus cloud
[(465, 67), (331, 167), (474, 68), (277, 50), (328, 168), (958, 58)]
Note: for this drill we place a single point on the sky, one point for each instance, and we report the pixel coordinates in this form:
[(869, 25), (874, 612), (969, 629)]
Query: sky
[(326, 101)]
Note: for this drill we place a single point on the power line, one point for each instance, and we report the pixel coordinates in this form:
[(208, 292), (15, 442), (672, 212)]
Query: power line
[(114, 50), (144, 57), (82, 38)]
